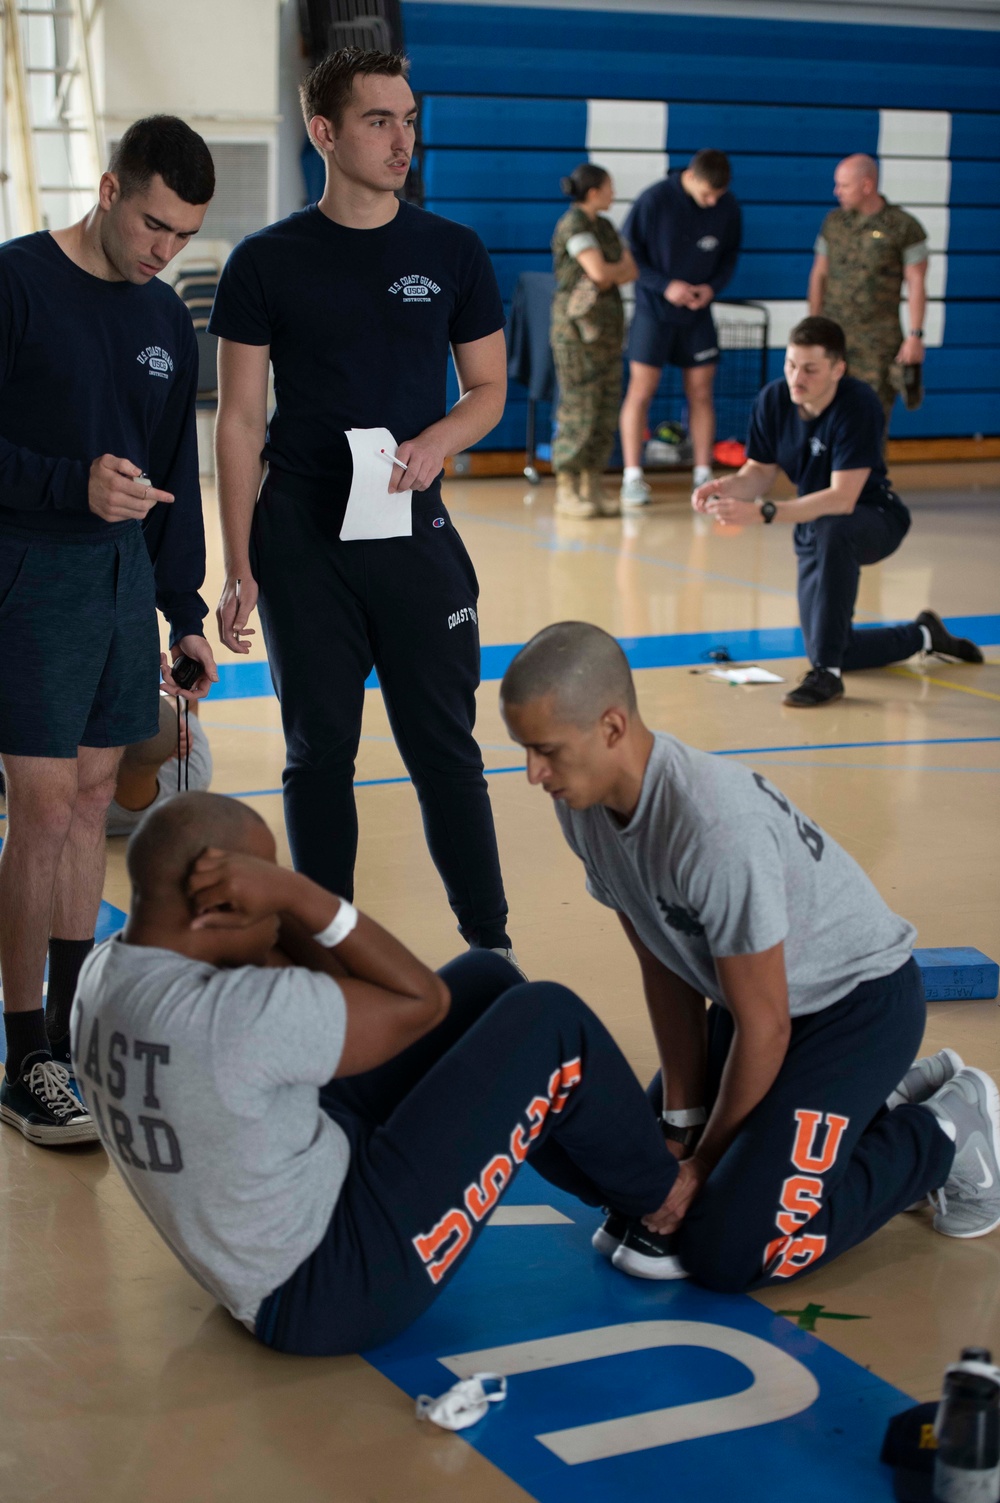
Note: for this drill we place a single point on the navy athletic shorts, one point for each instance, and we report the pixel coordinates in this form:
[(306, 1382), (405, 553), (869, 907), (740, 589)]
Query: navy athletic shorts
[(79, 643), (654, 341)]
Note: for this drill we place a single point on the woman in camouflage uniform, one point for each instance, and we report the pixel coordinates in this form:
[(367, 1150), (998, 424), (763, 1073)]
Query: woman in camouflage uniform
[(590, 263)]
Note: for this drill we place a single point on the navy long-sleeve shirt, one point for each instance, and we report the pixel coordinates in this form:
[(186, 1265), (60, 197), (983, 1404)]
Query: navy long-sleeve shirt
[(90, 367), (672, 239)]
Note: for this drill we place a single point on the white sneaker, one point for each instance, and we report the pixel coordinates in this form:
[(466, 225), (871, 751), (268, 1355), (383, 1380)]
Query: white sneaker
[(635, 493), (645, 1255), (701, 475), (967, 1108), (511, 959), (926, 1077)]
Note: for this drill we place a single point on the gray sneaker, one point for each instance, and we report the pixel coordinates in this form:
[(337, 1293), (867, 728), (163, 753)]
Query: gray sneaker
[(968, 1109), (511, 959), (925, 1077), (635, 493)]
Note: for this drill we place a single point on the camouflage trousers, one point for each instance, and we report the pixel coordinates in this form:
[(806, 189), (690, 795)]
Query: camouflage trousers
[(590, 395), (870, 353)]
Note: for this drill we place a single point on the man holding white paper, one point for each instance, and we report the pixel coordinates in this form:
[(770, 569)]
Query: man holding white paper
[(357, 303)]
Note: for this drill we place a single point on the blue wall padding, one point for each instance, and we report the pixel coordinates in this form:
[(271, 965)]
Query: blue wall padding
[(957, 974), (463, 121), (504, 95)]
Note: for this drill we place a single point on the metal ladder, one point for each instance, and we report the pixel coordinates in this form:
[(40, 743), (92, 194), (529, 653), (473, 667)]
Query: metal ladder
[(52, 144)]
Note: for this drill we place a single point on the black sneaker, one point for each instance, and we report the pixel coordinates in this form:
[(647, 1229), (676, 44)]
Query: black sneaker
[(818, 687), (944, 645), (609, 1236), (645, 1255), (42, 1106)]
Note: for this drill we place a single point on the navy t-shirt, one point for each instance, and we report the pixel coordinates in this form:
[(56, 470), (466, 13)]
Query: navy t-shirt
[(90, 367), (672, 238), (847, 435), (359, 324)]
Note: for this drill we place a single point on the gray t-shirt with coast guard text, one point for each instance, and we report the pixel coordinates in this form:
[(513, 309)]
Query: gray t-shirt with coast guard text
[(716, 861), (203, 1085)]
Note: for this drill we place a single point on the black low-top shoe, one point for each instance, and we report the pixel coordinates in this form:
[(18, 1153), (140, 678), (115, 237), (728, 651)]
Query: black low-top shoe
[(610, 1234), (818, 687), (944, 645), (647, 1255), (41, 1104)]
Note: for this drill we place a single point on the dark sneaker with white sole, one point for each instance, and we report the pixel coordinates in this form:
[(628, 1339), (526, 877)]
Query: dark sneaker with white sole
[(645, 1255), (41, 1104), (944, 645), (818, 687), (610, 1234), (968, 1111), (925, 1077)]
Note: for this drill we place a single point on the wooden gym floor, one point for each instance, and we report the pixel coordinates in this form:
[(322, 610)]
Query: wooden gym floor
[(121, 1379)]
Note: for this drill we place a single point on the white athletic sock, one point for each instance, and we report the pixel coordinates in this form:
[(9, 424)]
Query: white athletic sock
[(632, 472), (925, 633), (835, 671), (702, 474)]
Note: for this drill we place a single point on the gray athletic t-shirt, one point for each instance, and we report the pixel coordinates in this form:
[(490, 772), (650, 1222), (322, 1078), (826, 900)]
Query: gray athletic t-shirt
[(203, 1086), (716, 861), (199, 776)]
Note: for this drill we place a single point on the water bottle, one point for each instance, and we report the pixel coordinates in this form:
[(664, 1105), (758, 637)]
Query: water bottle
[(967, 1464)]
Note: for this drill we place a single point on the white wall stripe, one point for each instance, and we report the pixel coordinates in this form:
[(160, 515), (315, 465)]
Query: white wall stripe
[(916, 180), (914, 133), (626, 125), (631, 172)]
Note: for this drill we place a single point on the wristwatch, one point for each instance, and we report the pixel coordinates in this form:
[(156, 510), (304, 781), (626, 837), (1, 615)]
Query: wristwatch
[(768, 511), (916, 333)]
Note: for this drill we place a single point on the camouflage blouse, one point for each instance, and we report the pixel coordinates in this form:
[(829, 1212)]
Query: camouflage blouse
[(868, 254), (575, 232)]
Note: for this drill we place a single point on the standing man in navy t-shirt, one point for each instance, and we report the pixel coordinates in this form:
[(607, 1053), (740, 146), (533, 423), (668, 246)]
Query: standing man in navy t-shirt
[(100, 523), (357, 302), (824, 429), (685, 236)]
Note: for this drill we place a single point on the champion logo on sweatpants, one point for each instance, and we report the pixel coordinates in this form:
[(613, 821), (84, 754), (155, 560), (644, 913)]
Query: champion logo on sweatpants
[(438, 522)]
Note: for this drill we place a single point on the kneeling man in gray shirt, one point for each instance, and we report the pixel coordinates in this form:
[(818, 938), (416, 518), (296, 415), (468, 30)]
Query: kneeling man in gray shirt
[(776, 1100)]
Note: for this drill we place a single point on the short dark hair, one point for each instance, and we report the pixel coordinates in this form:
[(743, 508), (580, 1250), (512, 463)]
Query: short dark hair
[(712, 167), (164, 145), (326, 89), (583, 667), (822, 331), (580, 181)]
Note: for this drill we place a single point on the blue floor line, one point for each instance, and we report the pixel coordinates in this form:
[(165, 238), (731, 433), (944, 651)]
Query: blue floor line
[(676, 650), (739, 751)]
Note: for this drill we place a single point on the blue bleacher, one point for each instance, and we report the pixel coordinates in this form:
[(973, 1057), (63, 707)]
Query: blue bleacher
[(504, 116)]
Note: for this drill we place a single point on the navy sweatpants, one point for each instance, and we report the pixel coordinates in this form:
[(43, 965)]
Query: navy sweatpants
[(515, 1072), (330, 611), (819, 1165), (831, 552)]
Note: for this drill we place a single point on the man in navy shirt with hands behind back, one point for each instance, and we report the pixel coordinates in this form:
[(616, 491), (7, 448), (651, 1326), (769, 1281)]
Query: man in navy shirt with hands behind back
[(357, 302), (100, 524), (824, 429)]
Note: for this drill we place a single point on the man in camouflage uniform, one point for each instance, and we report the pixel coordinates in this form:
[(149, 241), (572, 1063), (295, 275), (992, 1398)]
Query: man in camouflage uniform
[(587, 330), (865, 251)]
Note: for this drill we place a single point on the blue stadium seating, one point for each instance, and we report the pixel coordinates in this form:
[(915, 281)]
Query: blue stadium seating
[(504, 94)]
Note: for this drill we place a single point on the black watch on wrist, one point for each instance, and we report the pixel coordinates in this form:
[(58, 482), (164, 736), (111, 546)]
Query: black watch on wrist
[(768, 511), (687, 1137)]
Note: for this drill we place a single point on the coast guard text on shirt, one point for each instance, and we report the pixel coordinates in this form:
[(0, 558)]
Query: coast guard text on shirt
[(105, 1068)]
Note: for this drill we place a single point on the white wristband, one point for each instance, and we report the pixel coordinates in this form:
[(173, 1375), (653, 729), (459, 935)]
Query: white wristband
[(344, 920), (690, 1116)]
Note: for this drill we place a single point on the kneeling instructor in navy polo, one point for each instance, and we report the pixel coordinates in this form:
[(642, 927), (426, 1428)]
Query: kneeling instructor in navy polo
[(357, 301), (824, 429)]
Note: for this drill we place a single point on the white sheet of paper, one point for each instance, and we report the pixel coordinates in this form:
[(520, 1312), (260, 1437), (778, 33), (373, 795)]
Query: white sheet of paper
[(371, 511), (746, 676)]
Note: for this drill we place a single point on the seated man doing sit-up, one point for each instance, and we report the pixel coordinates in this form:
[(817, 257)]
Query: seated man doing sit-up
[(316, 1123)]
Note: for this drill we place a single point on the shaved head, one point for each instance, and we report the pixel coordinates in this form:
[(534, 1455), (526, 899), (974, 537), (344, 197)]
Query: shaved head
[(861, 166), (580, 666), (172, 836)]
